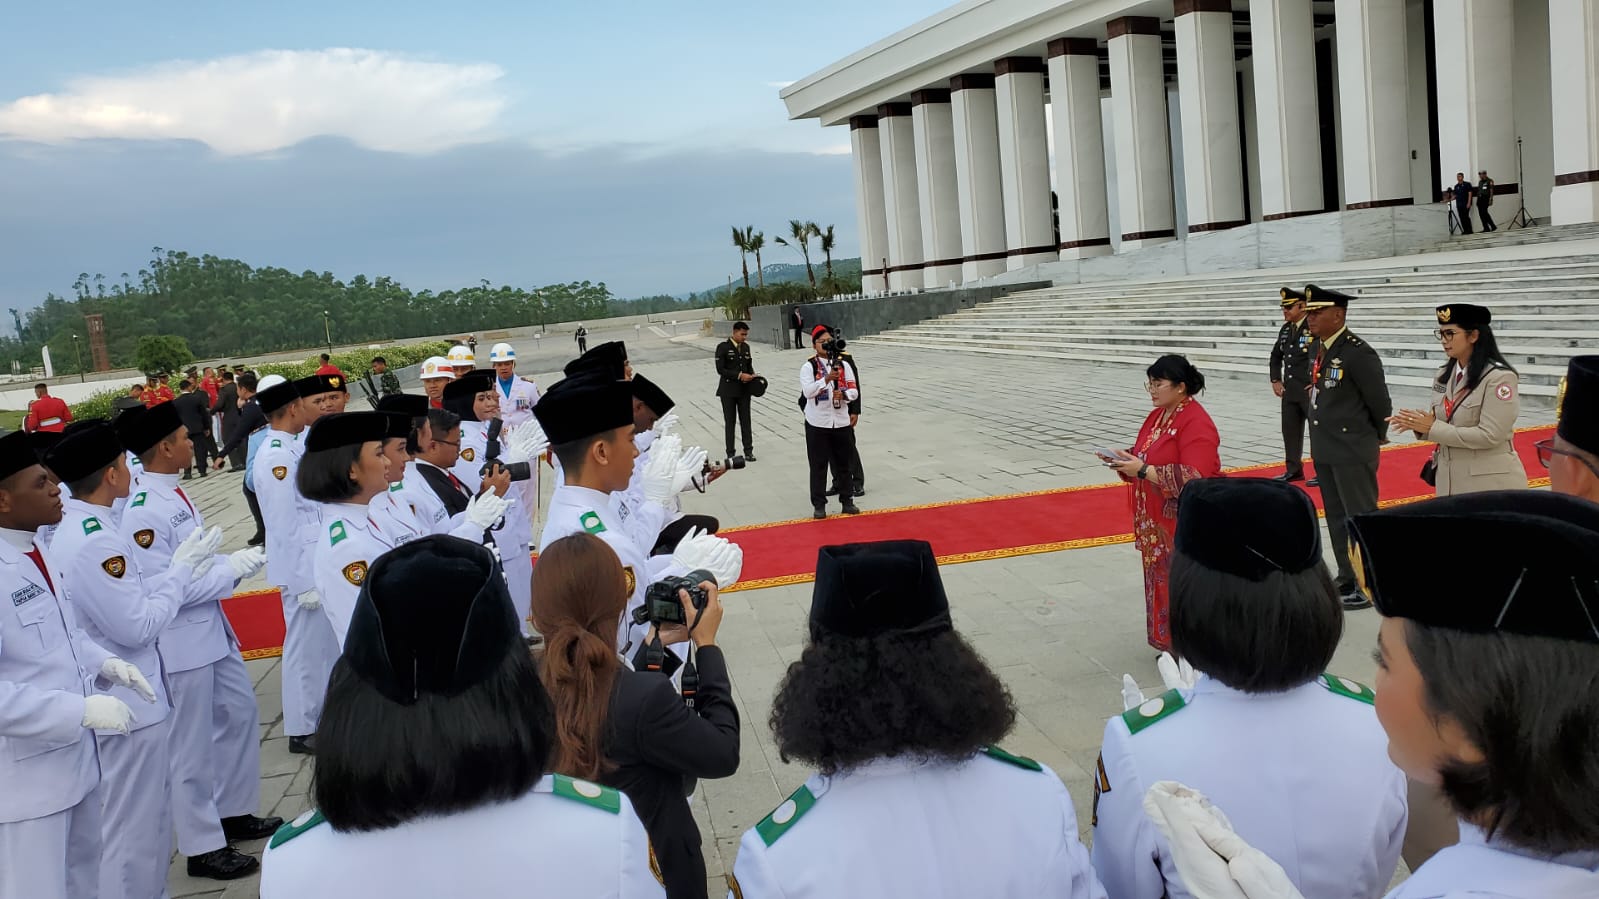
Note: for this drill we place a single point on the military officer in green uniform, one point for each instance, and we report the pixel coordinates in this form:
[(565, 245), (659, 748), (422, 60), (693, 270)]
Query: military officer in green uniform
[(1290, 380), (1349, 407)]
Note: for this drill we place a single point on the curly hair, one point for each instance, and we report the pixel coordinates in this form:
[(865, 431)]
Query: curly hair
[(849, 700)]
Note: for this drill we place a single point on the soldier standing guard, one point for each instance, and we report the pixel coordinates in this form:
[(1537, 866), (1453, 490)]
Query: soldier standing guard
[(1290, 380)]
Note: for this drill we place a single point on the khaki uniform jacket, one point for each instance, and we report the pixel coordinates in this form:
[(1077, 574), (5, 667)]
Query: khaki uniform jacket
[(1475, 451)]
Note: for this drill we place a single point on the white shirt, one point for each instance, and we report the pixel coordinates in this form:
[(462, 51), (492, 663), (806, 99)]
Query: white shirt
[(1479, 868), (819, 411), (517, 402), (291, 519), (345, 551)]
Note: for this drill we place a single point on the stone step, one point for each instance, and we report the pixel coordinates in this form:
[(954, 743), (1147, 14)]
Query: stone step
[(1543, 316), (1489, 293), (1573, 266), (1252, 329)]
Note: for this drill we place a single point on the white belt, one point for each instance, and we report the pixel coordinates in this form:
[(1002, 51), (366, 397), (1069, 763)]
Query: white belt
[(49, 421)]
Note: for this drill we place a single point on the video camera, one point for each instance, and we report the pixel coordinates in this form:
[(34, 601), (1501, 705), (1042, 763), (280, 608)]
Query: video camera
[(836, 346), (719, 468), (661, 605), (520, 471)]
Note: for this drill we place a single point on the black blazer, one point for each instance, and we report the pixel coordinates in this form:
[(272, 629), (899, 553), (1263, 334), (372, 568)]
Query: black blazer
[(659, 746), (194, 411), (1348, 417), (733, 360), (250, 420), (455, 498)]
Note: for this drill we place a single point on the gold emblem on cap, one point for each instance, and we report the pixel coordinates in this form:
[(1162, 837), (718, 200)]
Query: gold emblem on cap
[(1560, 401), (1443, 315), (1357, 561), (334, 380)]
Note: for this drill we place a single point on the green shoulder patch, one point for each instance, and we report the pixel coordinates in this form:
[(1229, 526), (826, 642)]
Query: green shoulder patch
[(91, 524), (275, 443), (1020, 761), (138, 500), (606, 798), (396, 487), (783, 817), (591, 522), (296, 827), (336, 532), (1153, 710), (1343, 686)]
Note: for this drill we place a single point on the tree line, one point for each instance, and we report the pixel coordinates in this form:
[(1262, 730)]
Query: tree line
[(750, 242)]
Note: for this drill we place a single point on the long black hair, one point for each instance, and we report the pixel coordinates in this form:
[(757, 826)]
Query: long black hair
[(1483, 353)]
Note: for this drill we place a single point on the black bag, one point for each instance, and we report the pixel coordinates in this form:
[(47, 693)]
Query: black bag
[(1429, 470)]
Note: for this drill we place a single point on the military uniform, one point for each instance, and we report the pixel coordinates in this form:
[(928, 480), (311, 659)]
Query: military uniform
[(575, 510), (514, 537), (1290, 367), (517, 399), (345, 550), (732, 360), (1482, 868), (1474, 430)]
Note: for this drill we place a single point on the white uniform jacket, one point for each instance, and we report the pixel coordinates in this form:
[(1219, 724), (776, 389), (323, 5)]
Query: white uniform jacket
[(48, 665), (516, 404), (1304, 776), (395, 516), (816, 389), (345, 551), (517, 529), (579, 839), (158, 516), (1479, 868), (996, 826), (291, 519)]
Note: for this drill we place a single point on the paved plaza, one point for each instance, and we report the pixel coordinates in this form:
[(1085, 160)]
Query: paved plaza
[(1061, 628)]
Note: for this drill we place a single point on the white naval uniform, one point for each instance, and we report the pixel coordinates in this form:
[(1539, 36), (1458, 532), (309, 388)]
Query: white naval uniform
[(1304, 776), (565, 838), (1480, 868), (410, 509), (514, 539), (49, 767), (996, 826), (125, 612), (395, 516), (516, 404), (214, 744), (350, 542), (292, 528)]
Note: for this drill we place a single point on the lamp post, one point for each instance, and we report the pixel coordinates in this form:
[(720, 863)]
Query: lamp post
[(327, 331), (79, 356)]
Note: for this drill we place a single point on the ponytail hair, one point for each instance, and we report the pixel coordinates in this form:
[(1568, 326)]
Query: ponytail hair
[(579, 594)]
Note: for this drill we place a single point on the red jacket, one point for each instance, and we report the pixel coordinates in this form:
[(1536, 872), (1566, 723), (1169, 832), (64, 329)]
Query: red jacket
[(209, 385), (47, 413), (330, 369)]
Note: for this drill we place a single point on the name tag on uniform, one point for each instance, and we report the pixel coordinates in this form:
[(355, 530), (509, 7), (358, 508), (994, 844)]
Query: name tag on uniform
[(28, 591), (180, 518)]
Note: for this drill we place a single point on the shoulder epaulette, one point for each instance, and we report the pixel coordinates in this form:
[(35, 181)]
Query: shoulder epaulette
[(591, 522), (138, 500), (336, 532), (396, 487), (1153, 710), (1343, 686), (783, 817), (606, 798), (275, 442), (1020, 761), (91, 524), (296, 827)]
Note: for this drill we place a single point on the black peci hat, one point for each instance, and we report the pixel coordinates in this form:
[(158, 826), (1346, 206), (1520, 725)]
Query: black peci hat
[(609, 358), (1248, 527), (1578, 404), (317, 384), (651, 395), (870, 589), (139, 431), (433, 616), (273, 398), (346, 429), (400, 425), (584, 405), (1288, 296), (16, 453), (85, 447), (460, 393), (1464, 315), (412, 404), (1534, 563), (1323, 298)]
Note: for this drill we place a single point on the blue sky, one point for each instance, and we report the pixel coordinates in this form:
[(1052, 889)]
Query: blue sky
[(519, 142)]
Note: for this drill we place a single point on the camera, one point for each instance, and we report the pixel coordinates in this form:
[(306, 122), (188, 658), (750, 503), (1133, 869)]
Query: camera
[(520, 471), (733, 463), (837, 345), (661, 605)]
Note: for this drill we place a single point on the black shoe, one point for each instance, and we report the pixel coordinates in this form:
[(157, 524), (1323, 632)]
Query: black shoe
[(1354, 601), (188, 475), (305, 745), (860, 491), (226, 863), (1286, 476), (832, 491), (851, 509), (819, 513), (257, 540), (250, 827), (749, 456), (1313, 482)]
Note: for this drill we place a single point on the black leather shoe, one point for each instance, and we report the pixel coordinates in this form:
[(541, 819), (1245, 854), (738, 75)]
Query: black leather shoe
[(851, 509), (257, 540), (1285, 476), (250, 827), (749, 457), (1354, 601), (1313, 482), (860, 491), (819, 513), (226, 863), (305, 745), (832, 491)]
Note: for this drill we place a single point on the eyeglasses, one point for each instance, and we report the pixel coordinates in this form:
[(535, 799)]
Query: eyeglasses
[(1446, 333), (1153, 386), (1547, 451), (455, 443)]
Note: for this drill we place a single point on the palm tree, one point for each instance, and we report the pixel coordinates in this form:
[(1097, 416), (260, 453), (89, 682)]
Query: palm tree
[(757, 241), (741, 239), (799, 235), (827, 249)]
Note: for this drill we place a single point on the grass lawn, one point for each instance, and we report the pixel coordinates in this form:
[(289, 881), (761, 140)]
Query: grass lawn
[(11, 419)]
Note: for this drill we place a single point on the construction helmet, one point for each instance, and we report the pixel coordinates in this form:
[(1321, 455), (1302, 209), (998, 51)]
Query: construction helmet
[(460, 355), (502, 352), (436, 367)]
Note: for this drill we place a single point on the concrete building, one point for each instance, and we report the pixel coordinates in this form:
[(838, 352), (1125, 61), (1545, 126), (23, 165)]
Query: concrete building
[(1090, 139)]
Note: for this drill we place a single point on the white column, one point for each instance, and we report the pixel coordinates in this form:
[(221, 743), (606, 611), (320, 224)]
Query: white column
[(866, 150), (900, 198), (933, 128), (1284, 48), (1079, 147), (1207, 86), (1143, 152), (1373, 96), (977, 179), (1476, 126), (1024, 162), (1574, 41)]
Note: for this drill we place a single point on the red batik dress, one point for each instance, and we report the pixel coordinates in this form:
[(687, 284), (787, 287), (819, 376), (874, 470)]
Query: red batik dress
[(1177, 450)]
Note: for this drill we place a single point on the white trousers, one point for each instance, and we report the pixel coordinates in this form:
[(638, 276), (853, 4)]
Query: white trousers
[(214, 748), (137, 817), (54, 857), (309, 650), (518, 567)]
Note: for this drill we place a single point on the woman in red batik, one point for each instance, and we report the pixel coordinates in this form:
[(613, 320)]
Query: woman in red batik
[(1177, 444)]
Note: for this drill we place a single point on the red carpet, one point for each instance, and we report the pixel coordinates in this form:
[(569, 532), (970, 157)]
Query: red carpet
[(784, 552)]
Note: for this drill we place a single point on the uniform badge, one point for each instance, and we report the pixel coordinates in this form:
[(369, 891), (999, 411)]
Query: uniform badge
[(733, 889), (280, 471), (1357, 561), (469, 454), (336, 533), (655, 866), (1560, 400), (115, 566), (144, 538), (28, 591), (1101, 785), (1504, 392), (591, 523), (631, 578), (355, 573), (90, 525), (335, 382), (137, 501)]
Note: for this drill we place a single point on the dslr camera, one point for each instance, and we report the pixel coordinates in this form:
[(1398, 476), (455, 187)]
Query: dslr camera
[(835, 347), (722, 466), (661, 606), (520, 471)]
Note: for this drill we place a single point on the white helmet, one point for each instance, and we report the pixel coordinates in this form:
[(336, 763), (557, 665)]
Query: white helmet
[(502, 352), (269, 381), (461, 354), (436, 367)]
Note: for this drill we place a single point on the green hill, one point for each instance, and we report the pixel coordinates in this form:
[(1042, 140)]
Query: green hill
[(782, 272)]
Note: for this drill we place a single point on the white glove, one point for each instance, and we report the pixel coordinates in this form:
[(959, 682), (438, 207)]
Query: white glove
[(1132, 697), (1175, 674), (195, 553), (127, 675), (718, 555), (310, 600), (526, 443), (485, 509), (246, 562), (671, 470), (665, 425), (101, 712), (1212, 860)]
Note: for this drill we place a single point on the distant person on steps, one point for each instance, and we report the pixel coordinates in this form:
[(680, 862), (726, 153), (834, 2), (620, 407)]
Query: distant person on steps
[(1485, 198), (1461, 192)]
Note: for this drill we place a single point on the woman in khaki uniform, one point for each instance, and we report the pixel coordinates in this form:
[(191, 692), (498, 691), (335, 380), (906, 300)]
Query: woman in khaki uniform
[(1475, 401)]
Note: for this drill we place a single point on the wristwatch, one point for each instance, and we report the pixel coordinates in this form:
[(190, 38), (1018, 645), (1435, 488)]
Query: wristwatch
[(1144, 471)]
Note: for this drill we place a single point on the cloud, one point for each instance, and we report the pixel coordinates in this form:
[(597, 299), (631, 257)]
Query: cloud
[(272, 99)]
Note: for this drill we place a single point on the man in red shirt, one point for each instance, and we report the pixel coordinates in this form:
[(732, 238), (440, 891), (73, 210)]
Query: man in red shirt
[(210, 384), (46, 413), (328, 368)]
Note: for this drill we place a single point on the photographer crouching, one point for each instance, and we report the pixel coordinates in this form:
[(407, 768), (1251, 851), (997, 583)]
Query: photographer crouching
[(827, 387), (631, 729)]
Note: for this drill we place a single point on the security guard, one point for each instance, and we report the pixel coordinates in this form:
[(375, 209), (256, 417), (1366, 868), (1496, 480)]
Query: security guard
[(215, 743), (1290, 380), (1349, 409), (435, 373), (735, 368), (462, 359), (343, 485), (518, 395)]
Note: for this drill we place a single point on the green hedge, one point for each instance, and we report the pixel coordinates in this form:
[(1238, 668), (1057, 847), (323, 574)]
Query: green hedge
[(354, 363)]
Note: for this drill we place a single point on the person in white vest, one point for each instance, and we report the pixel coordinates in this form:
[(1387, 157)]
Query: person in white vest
[(215, 741), (429, 778), (900, 716), (50, 709), (518, 395)]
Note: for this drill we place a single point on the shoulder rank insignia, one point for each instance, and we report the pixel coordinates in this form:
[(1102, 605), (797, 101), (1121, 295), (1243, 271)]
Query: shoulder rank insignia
[(1343, 686), (280, 471), (783, 817), (296, 827), (336, 533), (591, 522), (275, 443), (355, 573), (116, 566), (606, 798), (1020, 761), (469, 454), (145, 537), (1153, 710), (91, 524), (138, 500)]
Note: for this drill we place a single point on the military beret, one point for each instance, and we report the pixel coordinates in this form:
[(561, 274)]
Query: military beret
[(315, 385), (347, 429), (84, 448), (584, 405), (651, 395), (139, 431), (872, 589), (1578, 404), (1249, 527)]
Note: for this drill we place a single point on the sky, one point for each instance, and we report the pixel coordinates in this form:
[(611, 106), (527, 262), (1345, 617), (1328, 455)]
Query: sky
[(523, 143)]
